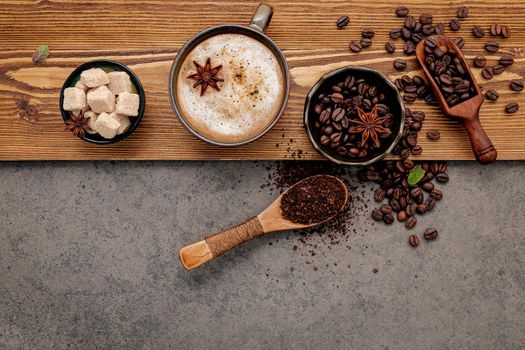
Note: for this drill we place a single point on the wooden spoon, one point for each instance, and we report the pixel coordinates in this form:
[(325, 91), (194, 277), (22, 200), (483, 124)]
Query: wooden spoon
[(466, 112), (270, 220)]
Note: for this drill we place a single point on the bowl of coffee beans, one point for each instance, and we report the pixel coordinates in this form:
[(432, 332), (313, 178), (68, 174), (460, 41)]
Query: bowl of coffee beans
[(354, 116)]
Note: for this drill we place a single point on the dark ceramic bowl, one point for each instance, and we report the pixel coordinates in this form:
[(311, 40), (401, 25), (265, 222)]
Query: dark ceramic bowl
[(393, 100), (108, 66)]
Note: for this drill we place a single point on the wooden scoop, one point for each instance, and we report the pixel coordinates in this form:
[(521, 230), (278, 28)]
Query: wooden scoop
[(466, 112), (269, 220)]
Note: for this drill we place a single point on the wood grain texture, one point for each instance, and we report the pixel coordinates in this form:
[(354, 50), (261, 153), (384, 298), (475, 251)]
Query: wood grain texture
[(147, 34)]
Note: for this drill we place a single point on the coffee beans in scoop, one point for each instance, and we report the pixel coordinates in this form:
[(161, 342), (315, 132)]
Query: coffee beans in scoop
[(448, 72)]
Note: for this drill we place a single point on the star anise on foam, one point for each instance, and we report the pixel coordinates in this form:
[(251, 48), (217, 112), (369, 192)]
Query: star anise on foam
[(78, 125), (369, 125), (206, 76)]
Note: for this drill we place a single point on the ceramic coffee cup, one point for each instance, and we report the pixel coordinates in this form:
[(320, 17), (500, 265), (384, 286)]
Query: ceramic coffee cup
[(186, 103)]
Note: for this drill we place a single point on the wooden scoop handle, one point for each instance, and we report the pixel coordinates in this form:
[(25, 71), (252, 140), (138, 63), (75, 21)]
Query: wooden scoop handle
[(211, 247), (481, 145)]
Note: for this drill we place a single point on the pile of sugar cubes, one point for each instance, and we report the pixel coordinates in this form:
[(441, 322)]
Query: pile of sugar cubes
[(105, 99)]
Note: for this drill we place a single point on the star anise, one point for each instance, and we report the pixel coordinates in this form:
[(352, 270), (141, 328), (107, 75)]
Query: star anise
[(369, 125), (78, 125), (206, 76)]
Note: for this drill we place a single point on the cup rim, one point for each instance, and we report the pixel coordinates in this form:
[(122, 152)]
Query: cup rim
[(135, 121), (308, 126), (205, 34)]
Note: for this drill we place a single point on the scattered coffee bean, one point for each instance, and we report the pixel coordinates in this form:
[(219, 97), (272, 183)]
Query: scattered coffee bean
[(426, 18), (512, 107), (410, 222), (506, 60), (505, 32), (395, 33), (402, 11), (355, 46), (495, 30), (498, 69), (459, 42), (455, 25), (413, 240), (480, 61), (388, 218), (409, 48), (368, 33), (487, 73), (433, 134), (442, 178), (436, 194), (491, 95), (478, 32), (390, 47), (400, 64), (342, 22), (410, 97), (463, 12), (366, 42), (439, 29), (430, 234), (377, 215), (492, 46), (516, 85)]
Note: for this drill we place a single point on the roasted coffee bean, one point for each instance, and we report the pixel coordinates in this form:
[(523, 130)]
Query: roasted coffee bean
[(410, 97), (421, 209), (453, 99), (338, 114), (512, 107), (436, 194), (415, 126), (410, 222), (442, 178), (409, 48), (418, 116), (506, 60), (401, 216), (388, 219), (480, 61), (455, 25), (433, 134), (411, 209), (430, 203), (459, 42), (411, 140), (492, 46), (379, 195), (337, 97), (355, 46), (400, 64), (410, 22), (413, 240), (368, 33), (417, 150), (478, 32), (377, 215), (395, 33), (505, 32), (390, 47), (366, 42), (487, 73), (427, 186), (342, 22), (491, 95), (402, 11), (498, 69), (410, 88), (324, 117), (325, 140), (385, 209), (425, 18), (431, 42), (495, 30), (463, 12), (516, 85), (439, 29), (430, 234), (418, 81), (406, 80)]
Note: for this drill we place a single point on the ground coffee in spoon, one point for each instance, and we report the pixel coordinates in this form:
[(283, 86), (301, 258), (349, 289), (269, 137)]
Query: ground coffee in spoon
[(313, 200)]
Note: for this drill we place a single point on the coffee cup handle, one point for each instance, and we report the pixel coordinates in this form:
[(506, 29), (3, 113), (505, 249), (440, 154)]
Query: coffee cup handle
[(262, 17)]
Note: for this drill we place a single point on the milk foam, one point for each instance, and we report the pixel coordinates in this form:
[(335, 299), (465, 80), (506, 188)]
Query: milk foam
[(251, 94)]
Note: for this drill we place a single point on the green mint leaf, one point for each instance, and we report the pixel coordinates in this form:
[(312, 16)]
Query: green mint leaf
[(41, 54), (416, 174)]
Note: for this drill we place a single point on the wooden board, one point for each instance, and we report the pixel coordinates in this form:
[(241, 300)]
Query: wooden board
[(147, 34)]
